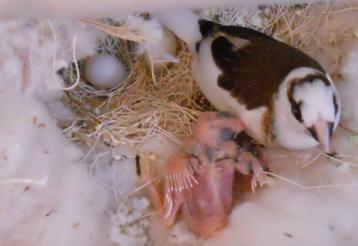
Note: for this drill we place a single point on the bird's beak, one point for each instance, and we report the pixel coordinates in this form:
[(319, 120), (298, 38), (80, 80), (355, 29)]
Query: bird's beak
[(323, 135)]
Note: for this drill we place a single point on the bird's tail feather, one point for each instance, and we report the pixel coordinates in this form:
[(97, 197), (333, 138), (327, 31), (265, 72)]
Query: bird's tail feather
[(184, 23)]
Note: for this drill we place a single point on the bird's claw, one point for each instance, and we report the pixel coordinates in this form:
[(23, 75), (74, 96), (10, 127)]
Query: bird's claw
[(258, 178), (249, 164)]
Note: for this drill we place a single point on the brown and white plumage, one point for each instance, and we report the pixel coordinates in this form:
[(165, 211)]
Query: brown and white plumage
[(282, 95)]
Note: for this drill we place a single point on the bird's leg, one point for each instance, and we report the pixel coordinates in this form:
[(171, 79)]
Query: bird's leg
[(249, 164), (227, 150), (251, 160)]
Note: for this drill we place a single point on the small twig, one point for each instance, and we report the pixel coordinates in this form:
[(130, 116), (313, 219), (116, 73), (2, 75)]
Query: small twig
[(348, 129), (348, 155), (313, 160), (76, 66), (151, 214), (143, 186), (93, 164), (111, 188), (91, 149), (38, 182), (313, 187), (341, 161), (54, 60), (54, 52), (152, 71), (70, 126), (117, 31)]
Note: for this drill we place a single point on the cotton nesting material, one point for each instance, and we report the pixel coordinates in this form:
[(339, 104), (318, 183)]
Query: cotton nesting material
[(105, 71), (157, 43), (161, 53)]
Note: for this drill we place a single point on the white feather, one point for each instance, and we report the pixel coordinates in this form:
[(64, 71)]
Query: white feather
[(317, 98), (287, 130), (150, 30), (183, 23)]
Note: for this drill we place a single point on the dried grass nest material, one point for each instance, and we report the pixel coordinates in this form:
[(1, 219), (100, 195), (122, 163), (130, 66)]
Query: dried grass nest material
[(319, 29), (139, 109), (166, 105)]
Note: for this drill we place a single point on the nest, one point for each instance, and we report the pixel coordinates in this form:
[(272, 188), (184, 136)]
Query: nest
[(141, 108), (166, 104)]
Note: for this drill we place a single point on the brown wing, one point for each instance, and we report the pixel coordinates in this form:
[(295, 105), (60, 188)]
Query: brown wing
[(253, 72)]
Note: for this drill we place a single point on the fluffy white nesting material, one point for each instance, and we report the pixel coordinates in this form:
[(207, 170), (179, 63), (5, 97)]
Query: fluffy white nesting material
[(150, 30), (284, 214), (33, 51), (349, 90), (158, 44), (129, 223), (70, 209), (184, 23), (96, 8), (47, 195), (117, 171), (249, 17)]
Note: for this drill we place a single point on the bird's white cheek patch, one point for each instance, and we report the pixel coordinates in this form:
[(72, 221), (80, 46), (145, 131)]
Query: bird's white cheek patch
[(288, 132), (317, 101)]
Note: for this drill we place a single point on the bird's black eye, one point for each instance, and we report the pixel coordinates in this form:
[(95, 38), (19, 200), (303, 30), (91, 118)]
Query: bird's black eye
[(296, 110)]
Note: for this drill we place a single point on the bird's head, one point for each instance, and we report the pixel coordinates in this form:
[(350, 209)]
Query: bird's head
[(315, 104)]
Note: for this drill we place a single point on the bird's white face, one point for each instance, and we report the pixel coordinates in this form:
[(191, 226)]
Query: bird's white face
[(315, 105)]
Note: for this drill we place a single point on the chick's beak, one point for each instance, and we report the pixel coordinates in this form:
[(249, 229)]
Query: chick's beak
[(322, 134)]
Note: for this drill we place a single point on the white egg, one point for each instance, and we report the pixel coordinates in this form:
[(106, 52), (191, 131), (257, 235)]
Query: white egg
[(105, 71), (157, 54)]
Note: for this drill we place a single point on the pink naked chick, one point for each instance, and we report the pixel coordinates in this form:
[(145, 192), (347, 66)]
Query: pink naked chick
[(199, 178)]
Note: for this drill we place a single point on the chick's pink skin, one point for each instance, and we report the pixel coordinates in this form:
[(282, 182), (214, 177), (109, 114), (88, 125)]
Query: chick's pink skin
[(208, 204), (199, 179), (209, 125), (206, 201), (209, 134)]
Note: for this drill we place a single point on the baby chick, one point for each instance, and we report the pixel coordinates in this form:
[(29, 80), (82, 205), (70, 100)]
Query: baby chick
[(199, 178), (282, 95)]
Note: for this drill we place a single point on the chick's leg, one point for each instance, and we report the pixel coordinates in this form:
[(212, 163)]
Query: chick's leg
[(251, 160), (249, 164)]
